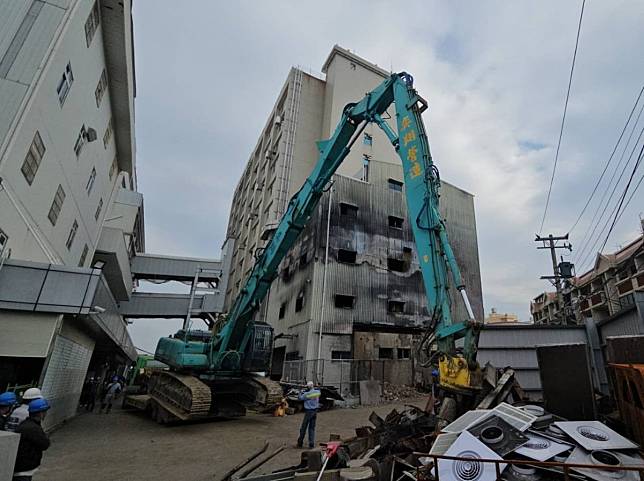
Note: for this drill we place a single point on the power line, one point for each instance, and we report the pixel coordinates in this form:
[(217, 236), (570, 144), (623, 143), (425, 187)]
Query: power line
[(615, 211), (610, 159), (587, 239), (621, 202), (563, 119)]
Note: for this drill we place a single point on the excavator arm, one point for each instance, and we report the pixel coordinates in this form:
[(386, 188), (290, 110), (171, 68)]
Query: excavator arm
[(435, 254)]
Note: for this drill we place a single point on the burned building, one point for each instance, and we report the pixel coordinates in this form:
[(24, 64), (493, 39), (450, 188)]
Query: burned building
[(372, 282)]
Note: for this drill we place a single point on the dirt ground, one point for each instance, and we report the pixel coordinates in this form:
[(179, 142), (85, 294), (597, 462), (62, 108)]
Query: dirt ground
[(128, 446)]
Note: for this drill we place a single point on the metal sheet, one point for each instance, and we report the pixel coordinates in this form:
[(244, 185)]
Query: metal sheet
[(541, 448), (466, 420), (443, 442), (593, 435), (514, 416), (467, 446), (498, 435), (580, 456)]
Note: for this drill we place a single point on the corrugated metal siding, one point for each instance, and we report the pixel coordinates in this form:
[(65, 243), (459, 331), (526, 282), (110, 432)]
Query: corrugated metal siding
[(513, 346), (64, 379), (627, 323)]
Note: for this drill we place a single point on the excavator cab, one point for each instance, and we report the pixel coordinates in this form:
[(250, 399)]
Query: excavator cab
[(257, 358)]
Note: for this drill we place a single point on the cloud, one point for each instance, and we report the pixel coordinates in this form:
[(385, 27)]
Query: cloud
[(495, 74)]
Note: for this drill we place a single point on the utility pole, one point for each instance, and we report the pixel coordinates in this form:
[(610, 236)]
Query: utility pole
[(562, 270)]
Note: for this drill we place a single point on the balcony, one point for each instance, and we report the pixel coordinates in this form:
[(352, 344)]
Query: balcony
[(624, 286)]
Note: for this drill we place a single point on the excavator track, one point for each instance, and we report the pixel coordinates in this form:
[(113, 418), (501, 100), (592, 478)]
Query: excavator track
[(184, 396), (273, 390)]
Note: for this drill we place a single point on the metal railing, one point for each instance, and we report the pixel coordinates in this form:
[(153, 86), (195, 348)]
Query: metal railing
[(344, 374), (561, 466)]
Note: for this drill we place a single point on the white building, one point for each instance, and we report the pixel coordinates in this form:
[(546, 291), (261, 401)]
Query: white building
[(68, 199)]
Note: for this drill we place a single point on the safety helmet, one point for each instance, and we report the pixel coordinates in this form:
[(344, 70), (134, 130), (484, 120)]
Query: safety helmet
[(38, 405), (115, 378), (310, 384), (31, 394), (8, 399)]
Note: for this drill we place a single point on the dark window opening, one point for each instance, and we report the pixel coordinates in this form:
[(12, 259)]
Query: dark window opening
[(396, 307), (347, 256), (299, 302), (385, 353), (348, 210), (395, 185), (286, 274), (367, 139), (396, 222), (292, 356), (406, 250), (395, 265), (344, 301), (282, 310), (404, 353), (339, 355)]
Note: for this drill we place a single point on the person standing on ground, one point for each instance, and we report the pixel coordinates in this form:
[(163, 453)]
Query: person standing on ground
[(33, 441), (311, 398), (22, 412), (112, 391), (7, 402)]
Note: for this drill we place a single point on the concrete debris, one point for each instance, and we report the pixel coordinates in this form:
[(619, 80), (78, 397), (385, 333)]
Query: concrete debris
[(392, 392)]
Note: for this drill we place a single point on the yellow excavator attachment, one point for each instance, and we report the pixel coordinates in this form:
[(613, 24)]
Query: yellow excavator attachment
[(456, 375)]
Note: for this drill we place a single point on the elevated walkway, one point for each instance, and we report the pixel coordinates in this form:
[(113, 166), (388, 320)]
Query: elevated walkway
[(151, 305), (158, 267)]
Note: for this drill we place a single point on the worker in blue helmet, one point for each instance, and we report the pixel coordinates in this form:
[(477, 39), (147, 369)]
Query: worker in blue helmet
[(8, 401), (33, 441)]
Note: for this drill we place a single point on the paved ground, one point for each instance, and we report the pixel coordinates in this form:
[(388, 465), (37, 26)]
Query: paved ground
[(127, 446)]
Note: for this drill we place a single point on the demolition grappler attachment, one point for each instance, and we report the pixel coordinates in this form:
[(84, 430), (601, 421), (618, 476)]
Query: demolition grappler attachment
[(456, 375)]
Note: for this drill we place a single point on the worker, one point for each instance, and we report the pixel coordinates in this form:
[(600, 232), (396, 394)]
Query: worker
[(311, 398), (8, 401), (33, 441), (112, 391), (22, 412)]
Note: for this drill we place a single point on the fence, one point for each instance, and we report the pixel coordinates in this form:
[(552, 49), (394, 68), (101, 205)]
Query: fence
[(344, 374)]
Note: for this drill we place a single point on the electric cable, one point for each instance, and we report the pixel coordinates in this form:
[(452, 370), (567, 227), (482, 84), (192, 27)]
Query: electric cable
[(588, 239), (563, 119), (614, 212), (610, 159)]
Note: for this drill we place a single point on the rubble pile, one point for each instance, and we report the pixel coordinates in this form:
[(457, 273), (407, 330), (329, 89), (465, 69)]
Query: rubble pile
[(413, 444), (393, 392)]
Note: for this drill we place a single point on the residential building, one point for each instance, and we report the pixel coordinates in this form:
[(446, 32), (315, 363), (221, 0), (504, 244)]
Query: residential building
[(372, 303), (501, 318), (601, 292), (70, 215)]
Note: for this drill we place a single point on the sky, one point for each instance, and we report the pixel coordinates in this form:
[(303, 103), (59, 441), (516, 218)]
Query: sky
[(495, 75)]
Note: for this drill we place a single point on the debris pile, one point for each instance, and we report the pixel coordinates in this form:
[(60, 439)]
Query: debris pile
[(393, 392), (508, 442)]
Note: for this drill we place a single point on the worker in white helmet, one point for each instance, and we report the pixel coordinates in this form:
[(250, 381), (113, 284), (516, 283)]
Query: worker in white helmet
[(22, 412), (311, 398)]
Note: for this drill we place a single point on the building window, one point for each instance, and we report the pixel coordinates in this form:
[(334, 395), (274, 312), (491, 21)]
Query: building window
[(347, 256), (80, 141), (367, 139), (395, 265), (107, 136), (396, 222), (114, 167), (83, 257), (299, 302), (64, 84), (91, 24), (282, 310), (56, 205), (292, 356), (385, 353), (395, 307), (348, 210), (90, 181), (101, 88), (404, 353), (4, 240), (340, 355), (33, 158), (72, 234), (304, 259), (99, 207), (395, 185), (343, 301)]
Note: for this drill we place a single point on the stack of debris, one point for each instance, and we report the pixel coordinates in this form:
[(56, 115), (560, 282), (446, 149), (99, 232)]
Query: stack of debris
[(393, 392)]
